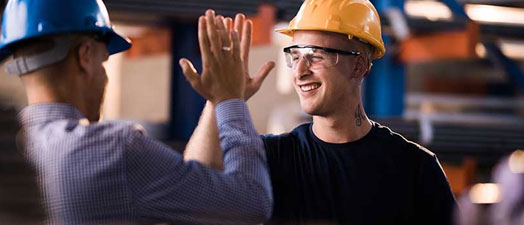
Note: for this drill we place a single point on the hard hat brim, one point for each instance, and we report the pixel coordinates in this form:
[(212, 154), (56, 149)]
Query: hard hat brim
[(117, 43)]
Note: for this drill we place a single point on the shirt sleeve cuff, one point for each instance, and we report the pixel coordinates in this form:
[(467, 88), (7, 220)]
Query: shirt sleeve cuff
[(231, 109)]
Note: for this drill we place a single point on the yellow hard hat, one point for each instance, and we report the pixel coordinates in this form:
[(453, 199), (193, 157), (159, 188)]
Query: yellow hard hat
[(356, 18)]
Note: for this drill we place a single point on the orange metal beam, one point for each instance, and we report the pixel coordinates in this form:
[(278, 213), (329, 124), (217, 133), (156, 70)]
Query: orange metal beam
[(441, 46), (263, 24), (152, 42)]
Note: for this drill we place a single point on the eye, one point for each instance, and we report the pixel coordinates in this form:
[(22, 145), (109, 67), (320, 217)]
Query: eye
[(316, 57), (295, 57)]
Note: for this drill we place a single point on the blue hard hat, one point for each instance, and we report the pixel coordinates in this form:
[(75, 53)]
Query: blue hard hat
[(26, 19)]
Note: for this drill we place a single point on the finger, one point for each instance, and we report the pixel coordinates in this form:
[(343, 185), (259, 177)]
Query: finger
[(218, 31), (212, 32), (224, 35), (236, 45), (191, 74), (203, 40), (262, 73), (245, 42), (239, 22), (228, 23)]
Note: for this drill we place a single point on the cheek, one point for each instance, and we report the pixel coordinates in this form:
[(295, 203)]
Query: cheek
[(103, 72), (346, 66), (99, 78), (337, 83), (104, 81)]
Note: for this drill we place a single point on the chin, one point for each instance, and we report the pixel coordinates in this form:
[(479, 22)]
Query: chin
[(308, 108), (94, 112), (94, 117), (315, 109)]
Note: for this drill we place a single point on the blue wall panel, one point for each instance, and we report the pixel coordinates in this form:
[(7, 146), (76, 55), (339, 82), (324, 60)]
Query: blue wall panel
[(186, 104)]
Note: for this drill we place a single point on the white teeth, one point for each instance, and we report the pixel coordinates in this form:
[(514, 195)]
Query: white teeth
[(309, 87)]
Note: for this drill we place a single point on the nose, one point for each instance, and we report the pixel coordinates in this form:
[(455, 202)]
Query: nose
[(302, 68)]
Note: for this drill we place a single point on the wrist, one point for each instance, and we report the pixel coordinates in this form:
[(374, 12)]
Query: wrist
[(220, 99)]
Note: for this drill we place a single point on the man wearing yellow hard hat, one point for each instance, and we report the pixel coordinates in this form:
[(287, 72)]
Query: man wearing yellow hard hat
[(343, 168)]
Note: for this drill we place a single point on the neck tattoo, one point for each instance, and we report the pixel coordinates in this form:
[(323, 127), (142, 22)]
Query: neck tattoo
[(358, 116)]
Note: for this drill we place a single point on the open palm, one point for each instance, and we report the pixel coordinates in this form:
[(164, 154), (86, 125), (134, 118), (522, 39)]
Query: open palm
[(244, 28)]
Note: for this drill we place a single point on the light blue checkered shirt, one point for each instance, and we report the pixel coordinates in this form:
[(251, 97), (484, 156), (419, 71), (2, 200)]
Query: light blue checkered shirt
[(111, 172)]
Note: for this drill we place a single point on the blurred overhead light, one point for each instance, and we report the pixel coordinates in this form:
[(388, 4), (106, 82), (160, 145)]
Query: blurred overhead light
[(512, 49), (485, 193), (398, 23), (516, 161), (431, 10), (495, 14), (436, 10), (480, 50)]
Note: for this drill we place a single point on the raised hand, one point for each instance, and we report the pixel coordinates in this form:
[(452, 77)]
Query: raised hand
[(223, 76), (244, 27)]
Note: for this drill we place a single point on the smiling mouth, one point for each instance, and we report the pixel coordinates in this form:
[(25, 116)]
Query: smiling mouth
[(309, 87)]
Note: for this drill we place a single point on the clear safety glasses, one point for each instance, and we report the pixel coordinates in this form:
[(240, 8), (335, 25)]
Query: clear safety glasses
[(315, 56)]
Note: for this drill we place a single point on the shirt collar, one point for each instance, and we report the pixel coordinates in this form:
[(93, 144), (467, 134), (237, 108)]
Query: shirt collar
[(46, 112)]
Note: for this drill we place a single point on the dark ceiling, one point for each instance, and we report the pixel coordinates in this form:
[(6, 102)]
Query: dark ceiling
[(191, 9), (164, 11), (173, 9)]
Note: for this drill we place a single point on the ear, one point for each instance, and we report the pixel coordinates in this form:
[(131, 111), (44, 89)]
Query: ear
[(362, 67), (85, 57), (369, 69)]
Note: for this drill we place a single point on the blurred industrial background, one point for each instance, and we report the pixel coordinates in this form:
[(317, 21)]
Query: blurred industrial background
[(452, 80)]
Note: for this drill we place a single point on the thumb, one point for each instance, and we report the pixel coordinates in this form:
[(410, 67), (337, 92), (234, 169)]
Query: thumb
[(191, 74), (263, 72)]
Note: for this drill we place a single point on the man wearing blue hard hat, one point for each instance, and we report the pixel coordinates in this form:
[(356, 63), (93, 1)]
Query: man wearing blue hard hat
[(94, 172)]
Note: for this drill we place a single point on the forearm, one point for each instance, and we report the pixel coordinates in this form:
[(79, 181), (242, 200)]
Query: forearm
[(238, 137), (163, 185), (243, 149), (204, 145)]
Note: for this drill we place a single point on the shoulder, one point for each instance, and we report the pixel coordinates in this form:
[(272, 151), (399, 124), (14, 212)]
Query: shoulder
[(80, 134), (70, 146), (286, 143), (114, 128), (397, 142), (120, 127), (130, 135), (295, 135), (415, 158)]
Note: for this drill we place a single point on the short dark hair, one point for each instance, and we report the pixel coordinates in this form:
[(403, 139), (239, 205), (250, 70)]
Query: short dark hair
[(33, 46)]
